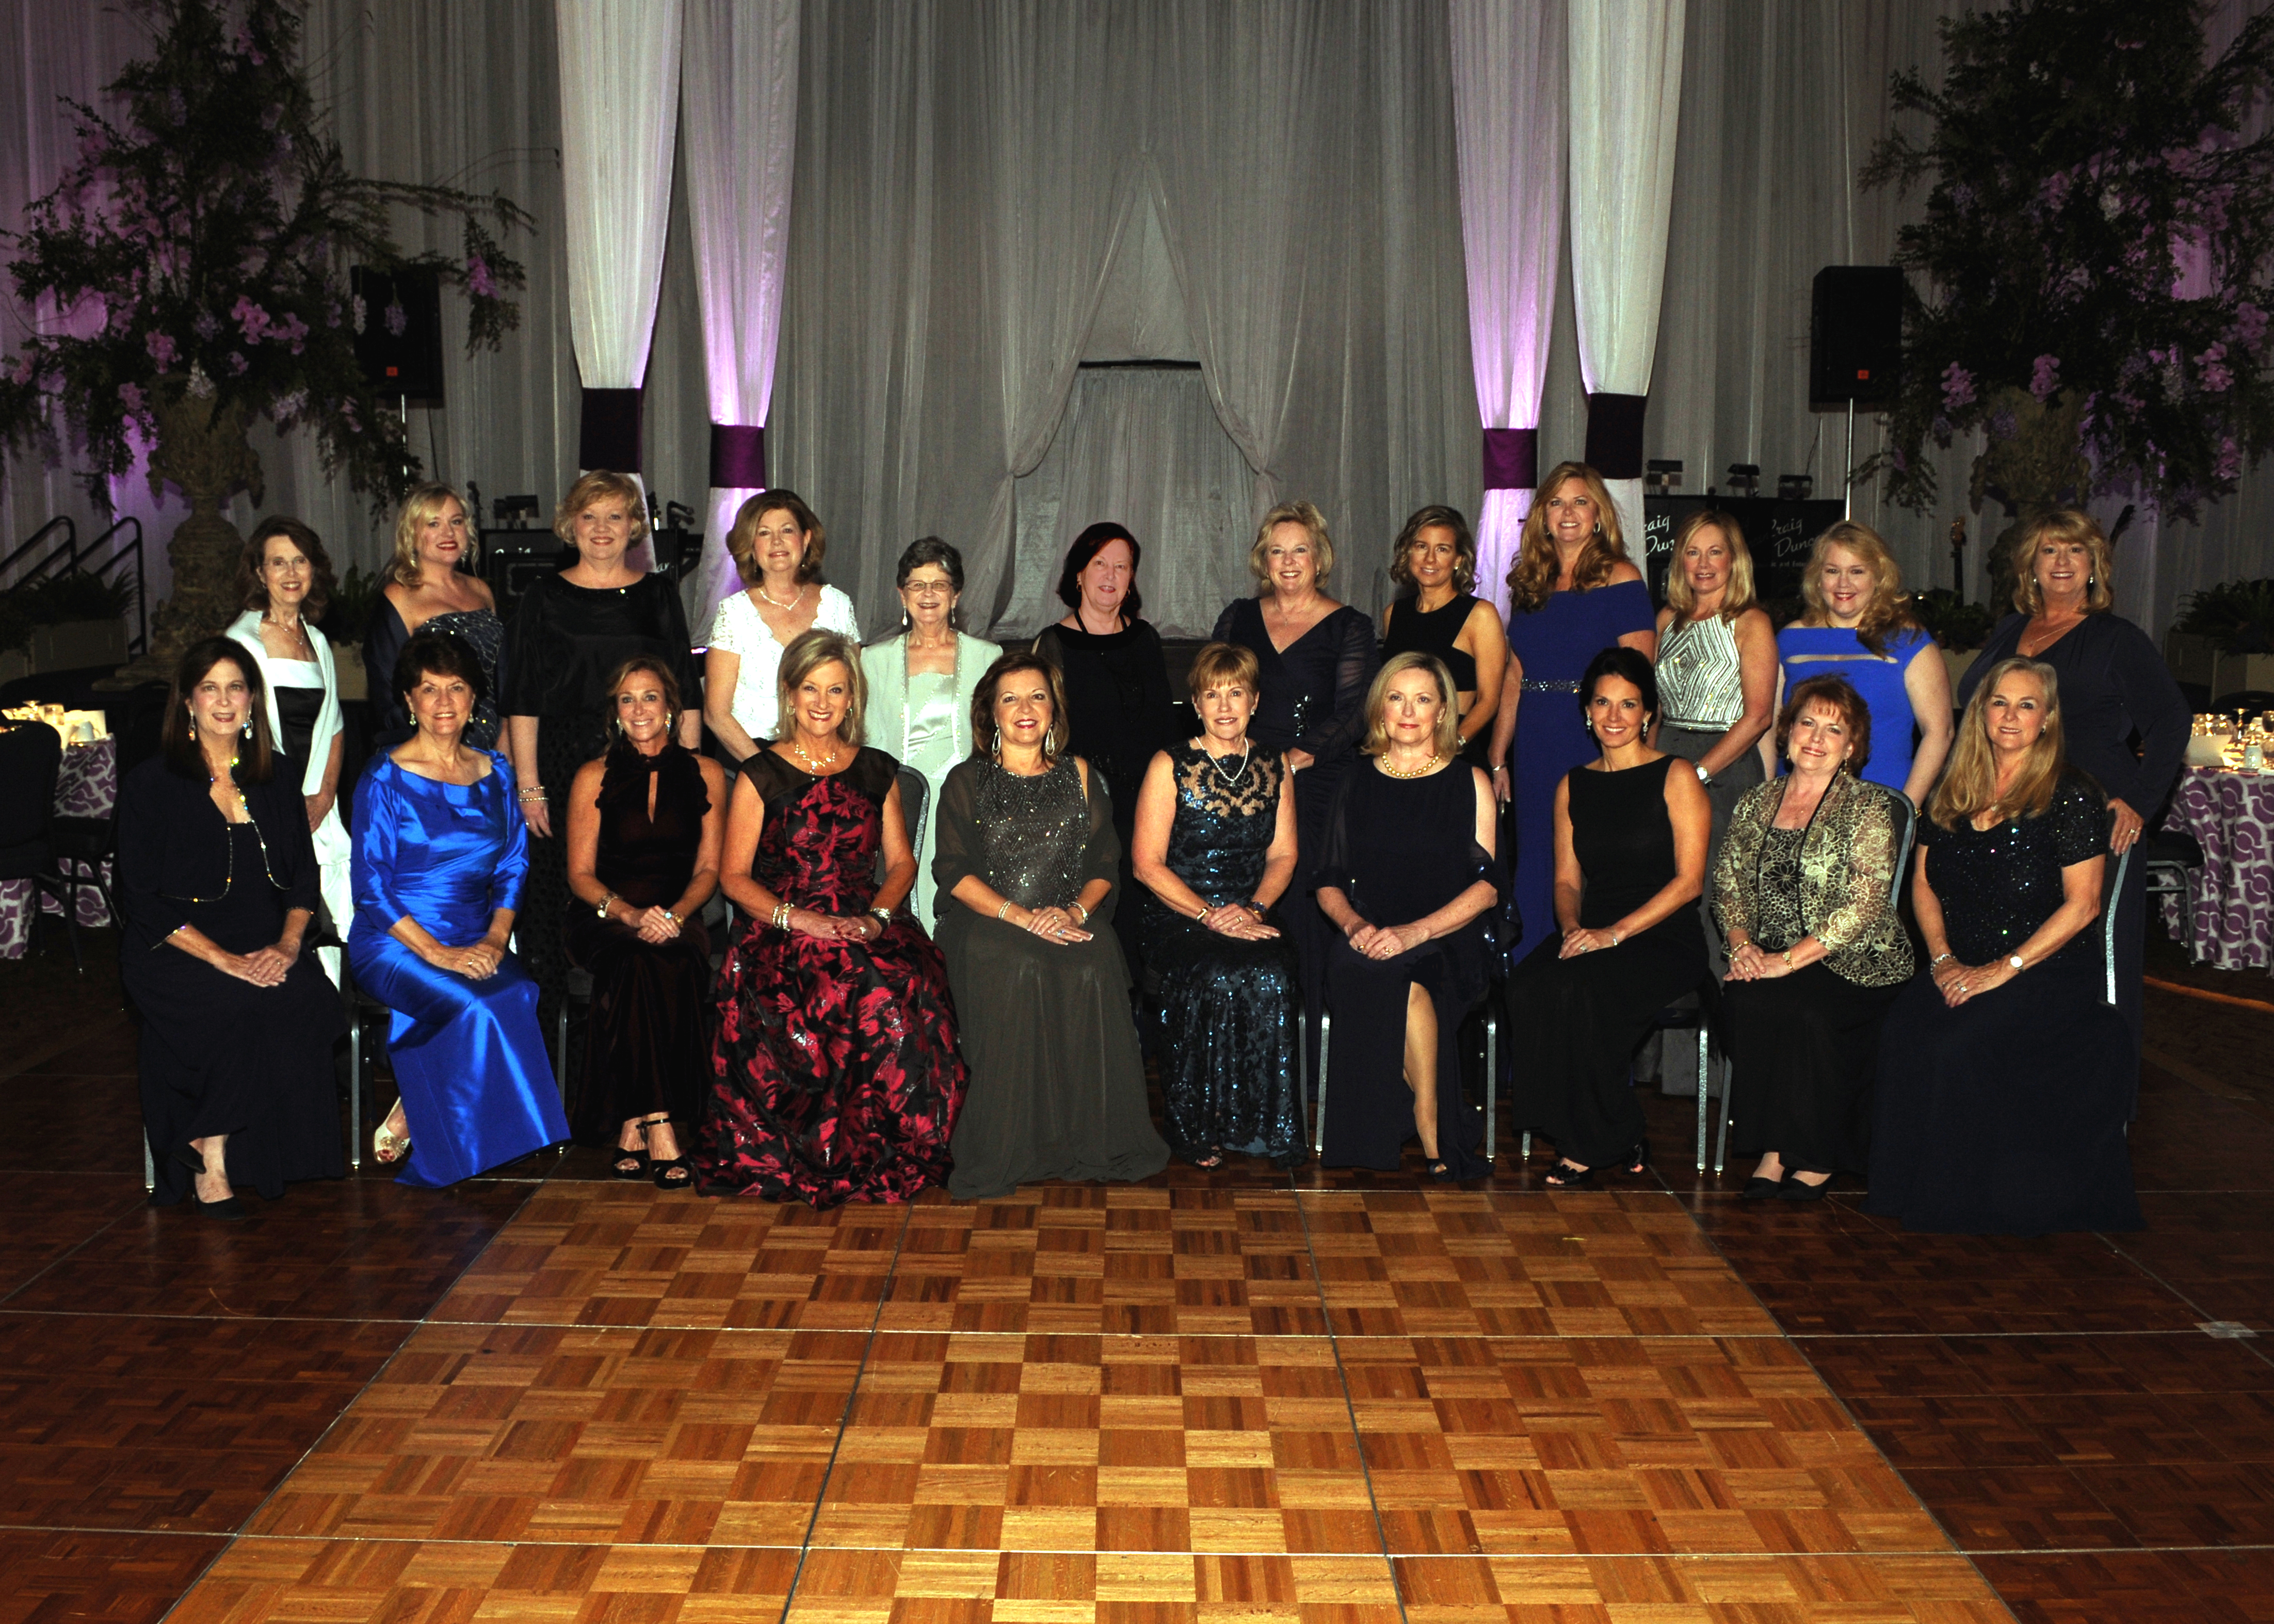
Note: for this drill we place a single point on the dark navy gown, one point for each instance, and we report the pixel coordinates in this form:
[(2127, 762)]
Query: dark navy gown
[(468, 1056), (1229, 1010)]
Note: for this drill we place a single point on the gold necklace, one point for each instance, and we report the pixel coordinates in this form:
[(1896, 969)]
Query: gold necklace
[(1422, 771), (784, 607)]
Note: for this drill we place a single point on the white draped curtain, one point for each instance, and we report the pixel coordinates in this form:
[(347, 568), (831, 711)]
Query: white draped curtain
[(1625, 61), (1507, 99), (738, 100)]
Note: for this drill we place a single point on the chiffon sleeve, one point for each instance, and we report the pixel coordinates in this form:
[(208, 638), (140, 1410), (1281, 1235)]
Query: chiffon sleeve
[(523, 691), (382, 646), (1101, 852), (377, 818), (955, 849), (1357, 656), (512, 871), (1333, 867), (1855, 902)]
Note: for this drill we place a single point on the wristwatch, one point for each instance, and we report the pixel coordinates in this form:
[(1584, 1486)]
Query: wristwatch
[(1704, 777)]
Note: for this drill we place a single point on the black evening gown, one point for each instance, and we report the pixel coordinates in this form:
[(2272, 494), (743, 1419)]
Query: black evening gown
[(2006, 1116), (2114, 687), (1312, 698), (1120, 713), (218, 1053), (477, 628), (835, 1075), (565, 642), (1410, 631), (1400, 849), (1575, 1023), (1057, 1081), (1229, 1010), (648, 1041)]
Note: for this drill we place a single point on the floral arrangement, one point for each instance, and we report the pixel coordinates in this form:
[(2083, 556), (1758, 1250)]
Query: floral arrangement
[(2098, 248), (198, 250)]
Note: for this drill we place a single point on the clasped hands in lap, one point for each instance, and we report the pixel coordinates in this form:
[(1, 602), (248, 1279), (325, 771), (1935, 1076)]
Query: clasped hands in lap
[(856, 928), (1385, 941), (1959, 982), (477, 961), (264, 966)]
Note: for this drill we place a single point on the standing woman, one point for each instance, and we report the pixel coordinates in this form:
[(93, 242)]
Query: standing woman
[(285, 582), (431, 587), (920, 688), (776, 545), (1572, 594), (440, 854), (218, 882), (1436, 556), (571, 632), (2113, 684), (1630, 832), (1115, 683), (1215, 847), (645, 825), (1859, 626), (1314, 660), (1026, 868)]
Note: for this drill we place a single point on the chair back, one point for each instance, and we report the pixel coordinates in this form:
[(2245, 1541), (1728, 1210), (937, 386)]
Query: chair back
[(1906, 816), (30, 756), (914, 792), (2108, 899)]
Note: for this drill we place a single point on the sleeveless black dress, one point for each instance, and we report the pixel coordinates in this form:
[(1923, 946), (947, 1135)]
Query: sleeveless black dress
[(1229, 1010), (1574, 1024), (649, 1038)]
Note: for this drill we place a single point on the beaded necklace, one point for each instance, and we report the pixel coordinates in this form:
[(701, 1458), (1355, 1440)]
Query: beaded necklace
[(1421, 771), (229, 877)]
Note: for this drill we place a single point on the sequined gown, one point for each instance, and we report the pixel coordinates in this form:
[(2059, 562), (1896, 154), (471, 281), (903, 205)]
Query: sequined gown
[(2006, 1116), (1057, 1083), (1229, 1010), (835, 1074)]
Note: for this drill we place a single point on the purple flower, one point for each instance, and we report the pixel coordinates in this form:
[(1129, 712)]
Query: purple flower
[(2212, 367), (290, 406), (2249, 326), (478, 277), (290, 331), (251, 320), (237, 364), (2229, 466), (21, 373), (333, 315), (132, 396), (205, 326), (397, 320), (2046, 378), (2054, 191), (160, 349), (1957, 387), (245, 47)]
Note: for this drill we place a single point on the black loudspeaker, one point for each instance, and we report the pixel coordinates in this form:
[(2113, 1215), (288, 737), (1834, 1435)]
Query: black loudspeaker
[(409, 363), (1856, 335), (513, 559)]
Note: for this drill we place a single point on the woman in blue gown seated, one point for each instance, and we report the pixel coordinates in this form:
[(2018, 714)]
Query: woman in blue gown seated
[(2005, 1078), (440, 853), (1215, 847), (1406, 877)]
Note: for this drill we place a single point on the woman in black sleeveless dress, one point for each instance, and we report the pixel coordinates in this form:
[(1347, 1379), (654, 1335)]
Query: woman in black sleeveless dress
[(1436, 557), (1631, 841), (645, 824), (1215, 847)]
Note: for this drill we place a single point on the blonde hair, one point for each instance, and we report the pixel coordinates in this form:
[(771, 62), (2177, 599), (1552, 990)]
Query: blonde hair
[(1314, 522), (1890, 608), (1223, 662), (1969, 784), (591, 487), (2069, 524), (1737, 597), (423, 503), (809, 652), (741, 539), (1447, 740), (1531, 581)]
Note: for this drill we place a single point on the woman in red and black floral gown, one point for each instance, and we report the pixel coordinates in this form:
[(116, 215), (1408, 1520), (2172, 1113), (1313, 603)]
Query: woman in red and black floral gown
[(835, 1075)]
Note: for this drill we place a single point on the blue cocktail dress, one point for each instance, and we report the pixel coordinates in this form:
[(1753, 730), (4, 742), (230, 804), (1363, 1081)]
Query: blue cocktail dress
[(470, 1060), (1805, 651)]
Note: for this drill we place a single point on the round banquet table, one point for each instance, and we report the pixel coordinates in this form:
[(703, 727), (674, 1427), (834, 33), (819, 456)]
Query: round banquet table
[(2227, 918), (87, 785)]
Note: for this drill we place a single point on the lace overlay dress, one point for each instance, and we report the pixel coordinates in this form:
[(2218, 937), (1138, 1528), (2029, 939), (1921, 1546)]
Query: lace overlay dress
[(1229, 1010)]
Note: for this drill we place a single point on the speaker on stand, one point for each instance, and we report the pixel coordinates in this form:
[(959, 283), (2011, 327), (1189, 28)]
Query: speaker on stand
[(1855, 347)]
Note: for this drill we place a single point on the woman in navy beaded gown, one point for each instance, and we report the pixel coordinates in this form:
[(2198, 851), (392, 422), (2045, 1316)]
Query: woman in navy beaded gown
[(440, 854), (1215, 847), (1572, 594)]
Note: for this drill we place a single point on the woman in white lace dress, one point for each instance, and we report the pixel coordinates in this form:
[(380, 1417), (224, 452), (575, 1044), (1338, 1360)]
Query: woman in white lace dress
[(776, 544)]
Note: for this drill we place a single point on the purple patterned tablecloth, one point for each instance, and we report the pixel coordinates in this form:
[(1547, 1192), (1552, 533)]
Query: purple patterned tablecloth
[(2229, 915), (87, 785)]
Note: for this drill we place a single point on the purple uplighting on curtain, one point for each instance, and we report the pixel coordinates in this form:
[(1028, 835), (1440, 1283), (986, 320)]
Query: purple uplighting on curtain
[(738, 104), (1509, 90)]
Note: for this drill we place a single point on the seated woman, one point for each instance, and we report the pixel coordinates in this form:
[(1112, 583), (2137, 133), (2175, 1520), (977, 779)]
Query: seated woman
[(217, 879), (1629, 863), (441, 853), (2004, 1078), (1215, 847), (834, 1073), (1407, 874), (1028, 855), (645, 822), (1816, 950)]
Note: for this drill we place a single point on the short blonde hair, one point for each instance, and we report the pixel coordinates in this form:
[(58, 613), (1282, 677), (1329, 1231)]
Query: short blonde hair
[(1891, 605), (422, 504), (1314, 522), (809, 652), (591, 488), (1737, 597), (1223, 662), (1446, 742), (2069, 524), (742, 543)]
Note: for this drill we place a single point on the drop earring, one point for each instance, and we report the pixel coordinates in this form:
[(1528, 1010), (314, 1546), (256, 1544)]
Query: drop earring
[(248, 727)]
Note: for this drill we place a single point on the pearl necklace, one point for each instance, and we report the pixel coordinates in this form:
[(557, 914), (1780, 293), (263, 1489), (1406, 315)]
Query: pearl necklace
[(1230, 781), (1422, 771)]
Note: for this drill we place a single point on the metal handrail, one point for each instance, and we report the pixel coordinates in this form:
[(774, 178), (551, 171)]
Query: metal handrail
[(103, 571), (67, 551)]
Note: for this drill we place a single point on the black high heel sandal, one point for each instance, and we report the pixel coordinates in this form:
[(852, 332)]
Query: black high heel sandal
[(662, 1171), (1564, 1175), (1637, 1161), (636, 1157)]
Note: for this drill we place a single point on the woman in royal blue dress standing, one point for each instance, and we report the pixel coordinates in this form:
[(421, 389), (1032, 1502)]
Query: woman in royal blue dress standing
[(440, 854), (1572, 594)]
